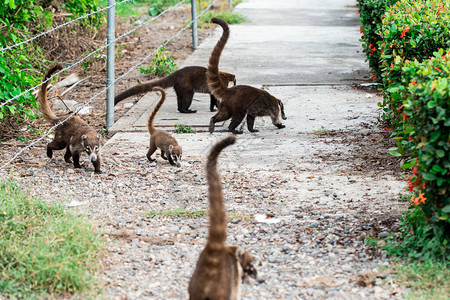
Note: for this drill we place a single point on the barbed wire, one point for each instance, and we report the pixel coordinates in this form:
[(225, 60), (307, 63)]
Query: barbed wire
[(92, 53), (3, 49), (22, 150)]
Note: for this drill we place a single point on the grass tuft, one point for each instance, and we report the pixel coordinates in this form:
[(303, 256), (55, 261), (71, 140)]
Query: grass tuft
[(181, 128), (428, 279), (177, 213), (230, 16), (44, 250)]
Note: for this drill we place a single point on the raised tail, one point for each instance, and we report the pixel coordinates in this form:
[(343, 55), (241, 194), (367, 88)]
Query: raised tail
[(44, 107), (155, 110), (217, 215), (164, 82), (212, 74)]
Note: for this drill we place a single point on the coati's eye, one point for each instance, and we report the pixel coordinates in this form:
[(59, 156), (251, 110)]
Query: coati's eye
[(88, 149)]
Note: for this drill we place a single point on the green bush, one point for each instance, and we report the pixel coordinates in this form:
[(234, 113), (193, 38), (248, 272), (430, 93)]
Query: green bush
[(21, 67), (410, 30), (163, 64), (370, 13)]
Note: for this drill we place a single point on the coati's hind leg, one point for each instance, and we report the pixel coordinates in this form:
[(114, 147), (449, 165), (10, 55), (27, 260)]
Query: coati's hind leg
[(54, 145), (213, 103), (218, 117), (68, 155), (250, 123), (184, 100), (151, 150), (235, 121), (76, 160)]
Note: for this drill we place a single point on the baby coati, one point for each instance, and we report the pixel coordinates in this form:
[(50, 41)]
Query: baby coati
[(74, 134), (170, 150), (241, 100), (220, 268), (185, 81)]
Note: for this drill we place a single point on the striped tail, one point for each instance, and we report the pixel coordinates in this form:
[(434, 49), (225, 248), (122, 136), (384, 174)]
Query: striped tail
[(212, 74), (217, 215), (44, 107), (152, 116)]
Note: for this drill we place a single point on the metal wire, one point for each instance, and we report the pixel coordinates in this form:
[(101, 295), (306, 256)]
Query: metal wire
[(90, 54), (104, 90), (3, 49)]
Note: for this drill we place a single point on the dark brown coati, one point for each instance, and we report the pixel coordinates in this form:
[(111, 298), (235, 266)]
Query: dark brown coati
[(241, 100), (220, 268), (74, 134), (185, 81), (170, 150)]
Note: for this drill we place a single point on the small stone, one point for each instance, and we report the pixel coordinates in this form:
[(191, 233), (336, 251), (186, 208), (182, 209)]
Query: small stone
[(383, 234), (235, 221)]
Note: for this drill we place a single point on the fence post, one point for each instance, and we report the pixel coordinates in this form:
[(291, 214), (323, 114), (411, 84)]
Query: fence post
[(231, 3), (194, 24), (110, 56)]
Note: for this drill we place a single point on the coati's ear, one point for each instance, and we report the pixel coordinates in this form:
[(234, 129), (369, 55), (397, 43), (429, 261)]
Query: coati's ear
[(170, 149)]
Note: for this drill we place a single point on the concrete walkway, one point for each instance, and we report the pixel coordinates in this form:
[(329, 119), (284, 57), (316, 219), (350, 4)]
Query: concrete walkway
[(291, 46)]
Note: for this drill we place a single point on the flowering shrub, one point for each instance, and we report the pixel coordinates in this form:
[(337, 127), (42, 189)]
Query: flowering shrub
[(415, 72), (410, 30), (425, 96), (371, 12)]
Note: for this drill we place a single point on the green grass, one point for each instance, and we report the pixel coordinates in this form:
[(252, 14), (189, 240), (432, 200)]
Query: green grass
[(177, 213), (231, 17), (181, 128), (322, 131), (427, 280), (44, 250)]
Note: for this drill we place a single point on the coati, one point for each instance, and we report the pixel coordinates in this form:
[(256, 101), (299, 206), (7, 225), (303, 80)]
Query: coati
[(185, 81), (170, 150), (240, 100), (74, 134), (220, 269)]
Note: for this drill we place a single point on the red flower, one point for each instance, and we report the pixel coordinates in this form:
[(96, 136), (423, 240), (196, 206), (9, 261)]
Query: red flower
[(404, 31)]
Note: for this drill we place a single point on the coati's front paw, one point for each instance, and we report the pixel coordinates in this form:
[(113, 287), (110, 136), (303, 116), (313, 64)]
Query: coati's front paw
[(49, 153), (77, 166), (97, 171), (280, 126), (187, 111), (213, 109), (253, 130), (237, 131)]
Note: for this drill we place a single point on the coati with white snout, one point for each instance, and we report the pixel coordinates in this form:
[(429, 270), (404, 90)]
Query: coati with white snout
[(220, 268), (170, 150), (185, 81), (74, 134), (239, 101)]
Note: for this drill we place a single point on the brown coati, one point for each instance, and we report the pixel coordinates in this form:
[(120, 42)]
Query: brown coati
[(74, 134), (241, 100), (185, 81), (220, 268), (170, 150)]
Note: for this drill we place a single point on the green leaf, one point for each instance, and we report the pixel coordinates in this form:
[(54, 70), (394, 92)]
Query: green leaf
[(446, 209), (431, 104), (395, 154), (440, 153), (408, 164), (428, 176)]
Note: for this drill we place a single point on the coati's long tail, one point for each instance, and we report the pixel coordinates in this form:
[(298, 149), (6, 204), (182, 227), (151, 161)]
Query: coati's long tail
[(212, 74), (155, 110), (217, 215), (165, 83), (44, 107)]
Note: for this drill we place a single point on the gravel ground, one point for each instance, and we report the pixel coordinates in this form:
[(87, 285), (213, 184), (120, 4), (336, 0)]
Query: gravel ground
[(303, 214)]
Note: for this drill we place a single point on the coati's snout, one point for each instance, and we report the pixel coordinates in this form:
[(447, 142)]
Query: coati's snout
[(91, 146), (175, 154)]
